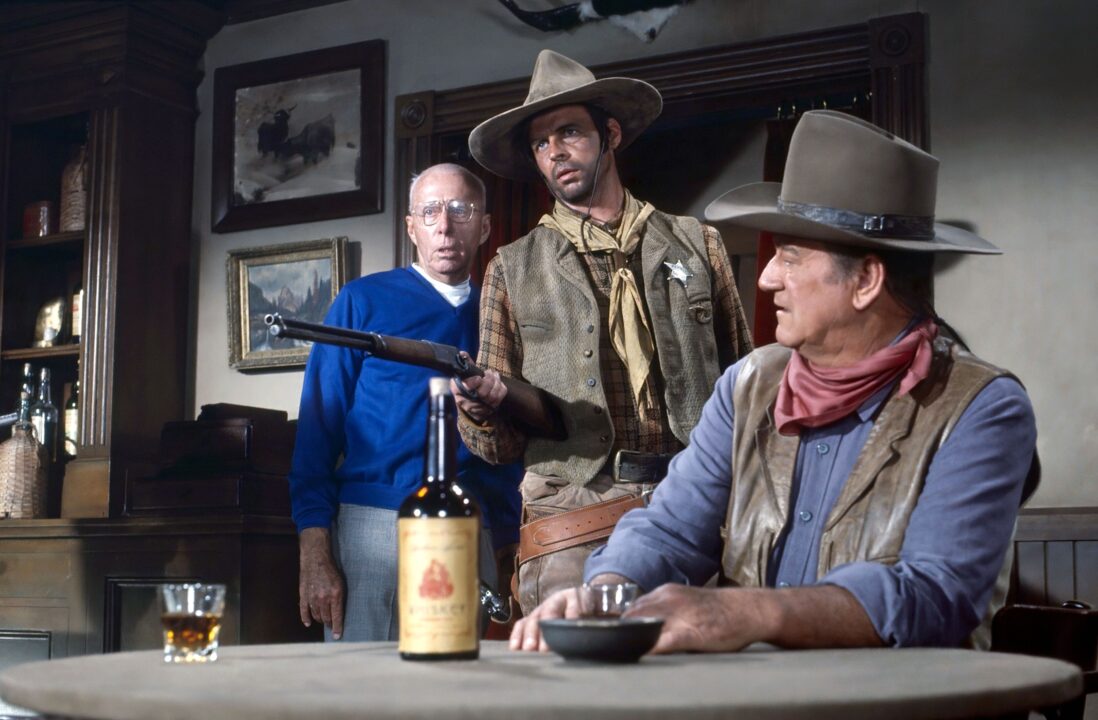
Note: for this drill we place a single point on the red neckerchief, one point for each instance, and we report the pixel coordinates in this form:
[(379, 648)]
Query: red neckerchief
[(812, 396)]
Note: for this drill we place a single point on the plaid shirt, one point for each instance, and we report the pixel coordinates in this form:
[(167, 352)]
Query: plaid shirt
[(501, 349)]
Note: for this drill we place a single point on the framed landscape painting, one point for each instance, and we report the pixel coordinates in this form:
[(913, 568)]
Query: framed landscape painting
[(298, 280), (299, 138)]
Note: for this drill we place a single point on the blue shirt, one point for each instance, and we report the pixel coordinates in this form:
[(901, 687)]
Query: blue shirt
[(362, 420), (955, 542)]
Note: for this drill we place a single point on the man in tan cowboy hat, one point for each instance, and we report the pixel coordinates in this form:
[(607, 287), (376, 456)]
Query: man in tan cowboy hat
[(627, 315), (855, 484)]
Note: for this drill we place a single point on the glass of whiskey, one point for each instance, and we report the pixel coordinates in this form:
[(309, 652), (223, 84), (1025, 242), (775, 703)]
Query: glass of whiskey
[(191, 616)]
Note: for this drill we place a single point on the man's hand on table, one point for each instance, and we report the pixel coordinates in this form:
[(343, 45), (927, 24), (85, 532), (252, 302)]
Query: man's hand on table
[(695, 619), (526, 635), (320, 585), (703, 619)]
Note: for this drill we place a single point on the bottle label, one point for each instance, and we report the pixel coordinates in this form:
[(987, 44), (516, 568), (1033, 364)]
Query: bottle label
[(437, 585), (77, 312)]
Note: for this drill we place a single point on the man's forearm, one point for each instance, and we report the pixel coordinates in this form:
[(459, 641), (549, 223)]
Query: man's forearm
[(729, 619), (821, 616), (495, 440), (314, 543)]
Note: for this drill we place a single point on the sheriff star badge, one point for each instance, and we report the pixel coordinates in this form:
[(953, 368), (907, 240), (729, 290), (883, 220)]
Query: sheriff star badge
[(678, 271)]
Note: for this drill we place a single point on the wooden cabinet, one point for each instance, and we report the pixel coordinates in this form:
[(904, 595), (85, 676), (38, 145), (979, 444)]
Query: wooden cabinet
[(76, 587), (119, 78)]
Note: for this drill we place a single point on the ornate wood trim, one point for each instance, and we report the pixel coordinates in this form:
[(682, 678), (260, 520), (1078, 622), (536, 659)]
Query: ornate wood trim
[(715, 80), (62, 58), (897, 54), (100, 272)]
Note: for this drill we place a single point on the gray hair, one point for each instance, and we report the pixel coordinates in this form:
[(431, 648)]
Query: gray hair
[(468, 176), (908, 275)]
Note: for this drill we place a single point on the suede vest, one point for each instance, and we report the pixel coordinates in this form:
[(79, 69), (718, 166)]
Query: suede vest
[(558, 320), (871, 514)]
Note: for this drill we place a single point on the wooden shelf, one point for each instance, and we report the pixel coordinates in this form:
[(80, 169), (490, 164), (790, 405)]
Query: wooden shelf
[(55, 239), (35, 353)]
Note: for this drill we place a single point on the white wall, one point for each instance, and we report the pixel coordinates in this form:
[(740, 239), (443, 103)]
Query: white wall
[(1008, 111)]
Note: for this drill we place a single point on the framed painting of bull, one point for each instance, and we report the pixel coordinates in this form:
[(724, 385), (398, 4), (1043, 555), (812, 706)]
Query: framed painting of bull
[(298, 280), (299, 138)]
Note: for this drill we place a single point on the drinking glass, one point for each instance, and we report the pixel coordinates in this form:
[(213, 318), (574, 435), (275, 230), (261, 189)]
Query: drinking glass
[(191, 616), (606, 599)]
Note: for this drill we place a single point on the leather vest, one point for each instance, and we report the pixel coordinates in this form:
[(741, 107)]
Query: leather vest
[(558, 320), (870, 516)]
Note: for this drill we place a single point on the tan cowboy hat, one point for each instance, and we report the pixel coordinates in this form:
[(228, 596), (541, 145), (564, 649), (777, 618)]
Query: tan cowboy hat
[(557, 81), (849, 182)]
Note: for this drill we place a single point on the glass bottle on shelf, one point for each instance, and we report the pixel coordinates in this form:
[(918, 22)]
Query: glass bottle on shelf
[(28, 379), (72, 420), (44, 416), (28, 385), (23, 422)]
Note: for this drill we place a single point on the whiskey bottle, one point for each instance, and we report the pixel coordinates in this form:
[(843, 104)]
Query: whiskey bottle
[(44, 416), (438, 534), (72, 420)]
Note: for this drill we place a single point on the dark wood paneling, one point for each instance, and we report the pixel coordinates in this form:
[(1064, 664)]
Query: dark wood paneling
[(1059, 571), (1086, 572), (1056, 556), (1029, 572)]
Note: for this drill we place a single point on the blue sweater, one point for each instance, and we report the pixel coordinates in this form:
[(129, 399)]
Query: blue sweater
[(373, 412)]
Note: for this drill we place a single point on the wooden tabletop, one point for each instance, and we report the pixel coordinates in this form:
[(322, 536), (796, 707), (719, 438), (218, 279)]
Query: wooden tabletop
[(369, 680)]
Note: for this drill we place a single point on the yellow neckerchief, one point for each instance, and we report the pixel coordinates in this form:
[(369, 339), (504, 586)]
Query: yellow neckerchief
[(629, 331)]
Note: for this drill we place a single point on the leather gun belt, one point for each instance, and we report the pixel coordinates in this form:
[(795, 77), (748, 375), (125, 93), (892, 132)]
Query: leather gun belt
[(573, 527)]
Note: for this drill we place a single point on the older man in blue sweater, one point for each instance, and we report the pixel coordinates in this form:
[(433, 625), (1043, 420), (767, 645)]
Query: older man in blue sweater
[(359, 448)]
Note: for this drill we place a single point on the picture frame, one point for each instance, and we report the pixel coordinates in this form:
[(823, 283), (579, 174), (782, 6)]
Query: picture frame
[(299, 138), (299, 280)]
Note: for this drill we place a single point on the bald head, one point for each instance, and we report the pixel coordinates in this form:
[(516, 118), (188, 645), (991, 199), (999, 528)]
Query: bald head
[(471, 180)]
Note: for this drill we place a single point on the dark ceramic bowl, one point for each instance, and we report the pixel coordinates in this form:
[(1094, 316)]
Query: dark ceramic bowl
[(612, 640)]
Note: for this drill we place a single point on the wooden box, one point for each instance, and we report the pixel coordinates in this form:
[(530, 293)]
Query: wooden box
[(232, 459)]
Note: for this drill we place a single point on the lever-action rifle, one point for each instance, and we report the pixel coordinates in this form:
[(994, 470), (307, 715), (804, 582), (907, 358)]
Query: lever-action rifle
[(527, 405)]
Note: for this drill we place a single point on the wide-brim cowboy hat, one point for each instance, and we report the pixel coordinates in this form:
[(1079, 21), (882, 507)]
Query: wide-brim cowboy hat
[(557, 81), (851, 183)]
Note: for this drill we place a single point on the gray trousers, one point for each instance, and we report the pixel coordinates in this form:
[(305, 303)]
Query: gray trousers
[(364, 544)]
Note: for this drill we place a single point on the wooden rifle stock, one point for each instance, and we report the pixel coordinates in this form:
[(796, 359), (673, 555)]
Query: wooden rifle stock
[(529, 406)]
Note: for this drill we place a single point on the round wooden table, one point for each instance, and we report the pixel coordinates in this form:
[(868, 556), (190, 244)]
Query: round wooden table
[(369, 680)]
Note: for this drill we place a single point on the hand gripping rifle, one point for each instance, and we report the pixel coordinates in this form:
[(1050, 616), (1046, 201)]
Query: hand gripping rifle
[(527, 405)]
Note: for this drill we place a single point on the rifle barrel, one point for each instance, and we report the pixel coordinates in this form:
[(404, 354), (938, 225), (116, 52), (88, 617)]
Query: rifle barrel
[(529, 405)]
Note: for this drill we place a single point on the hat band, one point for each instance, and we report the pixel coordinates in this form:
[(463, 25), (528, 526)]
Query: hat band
[(914, 227)]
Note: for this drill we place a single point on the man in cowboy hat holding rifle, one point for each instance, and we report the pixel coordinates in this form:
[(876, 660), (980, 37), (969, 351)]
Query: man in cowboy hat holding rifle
[(855, 484), (627, 315)]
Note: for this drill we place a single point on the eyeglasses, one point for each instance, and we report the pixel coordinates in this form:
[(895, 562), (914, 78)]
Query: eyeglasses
[(458, 211)]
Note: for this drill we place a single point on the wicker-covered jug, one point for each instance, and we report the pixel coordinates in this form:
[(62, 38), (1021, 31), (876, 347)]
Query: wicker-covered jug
[(74, 192), (23, 472)]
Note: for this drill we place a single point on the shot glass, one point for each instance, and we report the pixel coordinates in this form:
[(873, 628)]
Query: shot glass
[(607, 600), (191, 616)]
